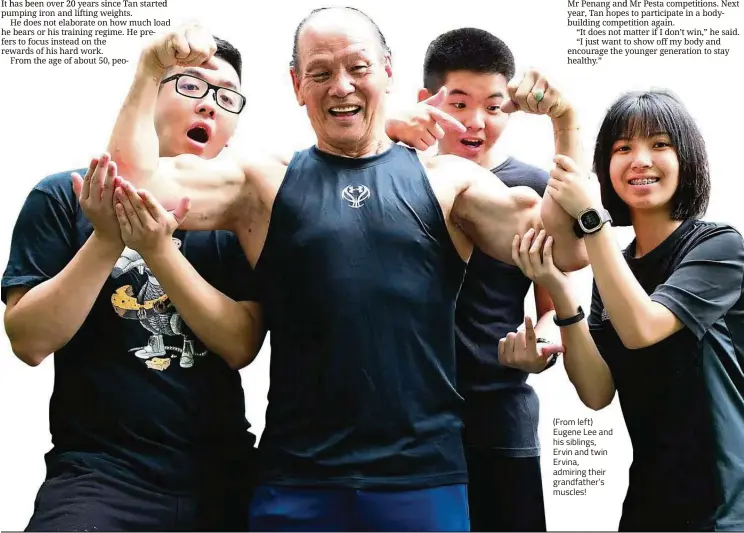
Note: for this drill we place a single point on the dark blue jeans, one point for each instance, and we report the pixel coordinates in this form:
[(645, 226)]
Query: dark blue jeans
[(279, 508)]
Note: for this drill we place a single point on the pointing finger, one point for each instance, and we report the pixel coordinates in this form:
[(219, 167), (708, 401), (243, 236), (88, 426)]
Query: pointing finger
[(447, 121), (529, 329), (438, 98)]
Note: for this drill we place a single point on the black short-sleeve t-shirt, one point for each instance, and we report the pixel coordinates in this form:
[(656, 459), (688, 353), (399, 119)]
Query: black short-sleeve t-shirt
[(683, 398), (135, 392)]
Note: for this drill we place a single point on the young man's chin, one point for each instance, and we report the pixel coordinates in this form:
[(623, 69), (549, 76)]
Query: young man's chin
[(476, 156), (196, 148)]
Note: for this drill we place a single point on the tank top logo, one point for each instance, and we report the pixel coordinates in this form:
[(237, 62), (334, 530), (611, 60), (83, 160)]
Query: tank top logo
[(355, 195)]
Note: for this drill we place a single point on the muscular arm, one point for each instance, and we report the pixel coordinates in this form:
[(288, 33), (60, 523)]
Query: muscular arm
[(215, 187), (490, 213), (570, 252), (42, 319), (134, 141), (233, 330)]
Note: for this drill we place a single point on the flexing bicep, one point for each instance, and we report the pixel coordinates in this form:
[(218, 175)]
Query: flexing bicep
[(491, 214), (215, 188)]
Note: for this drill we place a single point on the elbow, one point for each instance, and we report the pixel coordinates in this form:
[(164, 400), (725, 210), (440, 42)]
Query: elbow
[(633, 339), (23, 346), (242, 356), (571, 264), (28, 354), (597, 402), (578, 260), (631, 344), (238, 361), (570, 256)]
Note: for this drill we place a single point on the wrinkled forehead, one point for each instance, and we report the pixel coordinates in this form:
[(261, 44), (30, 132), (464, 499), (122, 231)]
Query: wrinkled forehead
[(224, 75), (337, 33)]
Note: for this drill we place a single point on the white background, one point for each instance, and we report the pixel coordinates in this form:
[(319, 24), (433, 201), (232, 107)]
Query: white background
[(56, 118)]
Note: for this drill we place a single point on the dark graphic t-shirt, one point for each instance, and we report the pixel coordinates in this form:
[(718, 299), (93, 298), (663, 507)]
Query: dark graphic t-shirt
[(135, 392), (501, 409), (683, 398)]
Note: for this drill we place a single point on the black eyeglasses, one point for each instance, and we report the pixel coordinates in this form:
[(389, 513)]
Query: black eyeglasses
[(193, 87)]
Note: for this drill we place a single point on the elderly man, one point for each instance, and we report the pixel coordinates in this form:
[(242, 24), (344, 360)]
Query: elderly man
[(360, 250)]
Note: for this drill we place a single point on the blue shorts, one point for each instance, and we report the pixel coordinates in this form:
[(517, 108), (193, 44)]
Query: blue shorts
[(280, 508)]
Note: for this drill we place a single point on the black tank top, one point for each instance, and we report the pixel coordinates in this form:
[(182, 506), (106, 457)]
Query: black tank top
[(358, 279)]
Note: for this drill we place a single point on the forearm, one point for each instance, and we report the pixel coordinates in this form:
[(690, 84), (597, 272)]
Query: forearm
[(50, 314), (569, 251), (225, 326), (134, 142), (629, 307), (584, 365), (567, 137), (546, 328)]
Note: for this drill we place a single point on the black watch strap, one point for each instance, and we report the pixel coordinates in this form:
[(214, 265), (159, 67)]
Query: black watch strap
[(563, 322)]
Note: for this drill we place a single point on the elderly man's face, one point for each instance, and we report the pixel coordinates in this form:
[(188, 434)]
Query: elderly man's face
[(342, 77)]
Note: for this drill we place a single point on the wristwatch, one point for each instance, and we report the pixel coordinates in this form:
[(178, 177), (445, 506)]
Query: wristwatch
[(591, 221)]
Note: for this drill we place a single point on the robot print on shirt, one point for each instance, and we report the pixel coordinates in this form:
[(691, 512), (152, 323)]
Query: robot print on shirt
[(155, 313)]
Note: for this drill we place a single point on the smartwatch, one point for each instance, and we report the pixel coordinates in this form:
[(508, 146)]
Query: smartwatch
[(591, 221)]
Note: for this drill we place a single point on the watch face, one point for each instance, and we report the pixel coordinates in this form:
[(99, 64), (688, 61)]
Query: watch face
[(590, 220)]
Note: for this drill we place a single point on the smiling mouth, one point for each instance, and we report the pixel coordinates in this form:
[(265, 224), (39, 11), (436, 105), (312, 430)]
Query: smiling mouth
[(198, 134), (345, 111), (473, 143), (643, 181)]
